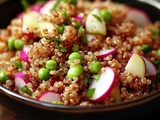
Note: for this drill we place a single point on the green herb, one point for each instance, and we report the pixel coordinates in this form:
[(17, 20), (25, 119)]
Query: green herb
[(78, 24), (96, 77), (56, 3), (156, 33), (18, 64), (146, 49), (158, 52), (56, 42), (80, 29), (25, 4), (90, 92), (25, 89), (75, 48), (97, 17), (156, 62), (83, 39), (86, 80), (57, 102)]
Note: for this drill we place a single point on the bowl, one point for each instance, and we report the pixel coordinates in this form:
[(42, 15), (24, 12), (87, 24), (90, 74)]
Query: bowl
[(28, 109)]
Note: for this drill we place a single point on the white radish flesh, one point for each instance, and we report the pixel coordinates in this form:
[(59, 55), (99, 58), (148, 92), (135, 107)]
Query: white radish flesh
[(48, 6), (136, 65), (95, 23), (106, 52), (138, 16), (20, 80), (49, 97), (103, 86)]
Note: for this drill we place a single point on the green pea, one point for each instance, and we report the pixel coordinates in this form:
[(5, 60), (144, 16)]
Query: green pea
[(43, 74), (18, 44), (51, 64), (60, 29), (3, 76), (11, 43), (95, 67), (106, 15), (75, 71), (75, 55)]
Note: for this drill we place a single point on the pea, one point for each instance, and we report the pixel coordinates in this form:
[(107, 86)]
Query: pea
[(95, 67), (51, 64), (75, 55), (18, 44), (75, 71), (3, 76), (11, 43), (106, 15), (43, 74), (60, 29)]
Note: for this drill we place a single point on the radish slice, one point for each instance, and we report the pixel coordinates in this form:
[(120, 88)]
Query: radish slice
[(103, 86), (150, 67), (46, 9), (37, 7), (20, 80), (138, 16), (80, 18), (24, 53), (49, 97), (106, 52)]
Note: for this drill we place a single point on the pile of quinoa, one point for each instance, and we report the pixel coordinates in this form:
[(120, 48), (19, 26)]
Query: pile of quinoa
[(122, 34)]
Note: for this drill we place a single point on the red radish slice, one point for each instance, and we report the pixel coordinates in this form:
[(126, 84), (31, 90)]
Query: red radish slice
[(138, 16), (20, 80), (80, 18), (37, 7), (103, 86), (106, 52), (150, 67), (48, 6), (24, 53), (49, 97)]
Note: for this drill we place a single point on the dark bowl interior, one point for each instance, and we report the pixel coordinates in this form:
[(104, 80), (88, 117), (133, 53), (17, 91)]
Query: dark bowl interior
[(26, 109)]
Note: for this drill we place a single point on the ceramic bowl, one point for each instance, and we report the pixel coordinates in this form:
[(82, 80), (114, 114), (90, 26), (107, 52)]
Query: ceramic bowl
[(22, 108)]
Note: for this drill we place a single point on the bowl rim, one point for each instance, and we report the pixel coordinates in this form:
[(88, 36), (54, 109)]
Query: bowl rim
[(115, 106)]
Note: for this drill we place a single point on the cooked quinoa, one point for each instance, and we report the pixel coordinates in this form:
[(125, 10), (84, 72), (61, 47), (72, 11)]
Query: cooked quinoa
[(70, 35)]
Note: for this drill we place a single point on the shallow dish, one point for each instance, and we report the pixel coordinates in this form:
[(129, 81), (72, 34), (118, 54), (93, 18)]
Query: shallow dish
[(23, 108)]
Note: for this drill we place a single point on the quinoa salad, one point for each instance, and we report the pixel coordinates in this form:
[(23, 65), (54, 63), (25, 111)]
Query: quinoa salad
[(80, 53)]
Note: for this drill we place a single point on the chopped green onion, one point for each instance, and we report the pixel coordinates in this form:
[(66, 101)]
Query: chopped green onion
[(56, 3), (146, 49), (25, 89), (96, 77), (25, 4), (156, 62), (18, 64), (75, 48), (57, 102), (155, 33), (90, 92), (158, 52), (80, 30), (56, 42), (83, 39), (72, 1), (86, 80), (97, 17), (78, 24)]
